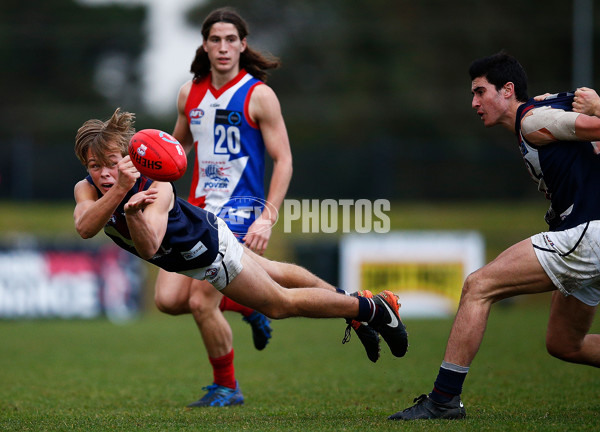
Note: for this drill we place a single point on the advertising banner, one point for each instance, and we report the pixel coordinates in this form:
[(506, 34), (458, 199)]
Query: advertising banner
[(69, 283), (425, 268)]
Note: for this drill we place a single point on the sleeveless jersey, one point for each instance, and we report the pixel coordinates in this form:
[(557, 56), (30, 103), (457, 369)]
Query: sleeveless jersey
[(191, 240), (228, 176), (568, 172)]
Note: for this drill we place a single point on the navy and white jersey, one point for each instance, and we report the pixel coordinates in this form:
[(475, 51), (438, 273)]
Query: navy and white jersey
[(228, 176), (568, 172), (191, 240)]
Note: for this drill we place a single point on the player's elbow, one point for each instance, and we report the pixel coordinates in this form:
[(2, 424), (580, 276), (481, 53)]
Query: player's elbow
[(289, 163), (146, 253), (85, 232), (145, 256), (85, 235), (284, 162)]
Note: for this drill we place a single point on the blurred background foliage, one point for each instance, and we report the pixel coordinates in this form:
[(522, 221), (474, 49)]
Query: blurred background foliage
[(375, 94)]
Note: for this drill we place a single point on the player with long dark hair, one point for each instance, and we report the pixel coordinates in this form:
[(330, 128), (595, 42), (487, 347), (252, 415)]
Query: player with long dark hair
[(231, 118)]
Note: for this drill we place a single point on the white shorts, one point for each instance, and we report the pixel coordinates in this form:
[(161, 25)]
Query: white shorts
[(571, 258), (227, 264)]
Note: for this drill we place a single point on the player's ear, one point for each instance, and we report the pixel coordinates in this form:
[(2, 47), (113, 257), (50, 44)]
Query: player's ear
[(244, 45), (508, 89)]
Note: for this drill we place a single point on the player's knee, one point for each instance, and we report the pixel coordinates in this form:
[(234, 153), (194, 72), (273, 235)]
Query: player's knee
[(274, 312), (169, 305), (562, 350), (555, 350), (200, 303), (481, 288), (473, 287), (170, 293), (204, 298), (278, 308)]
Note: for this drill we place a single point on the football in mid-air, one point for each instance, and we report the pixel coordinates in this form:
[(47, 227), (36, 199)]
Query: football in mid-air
[(157, 155)]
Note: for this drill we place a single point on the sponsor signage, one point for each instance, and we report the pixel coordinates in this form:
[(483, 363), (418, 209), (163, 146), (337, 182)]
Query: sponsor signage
[(425, 268), (70, 283)]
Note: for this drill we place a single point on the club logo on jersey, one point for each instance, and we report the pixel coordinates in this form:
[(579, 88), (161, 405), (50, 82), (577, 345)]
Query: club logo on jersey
[(195, 115), (226, 117), (141, 150), (217, 177)]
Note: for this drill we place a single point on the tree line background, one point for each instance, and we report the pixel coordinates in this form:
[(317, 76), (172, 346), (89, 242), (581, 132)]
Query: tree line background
[(375, 93)]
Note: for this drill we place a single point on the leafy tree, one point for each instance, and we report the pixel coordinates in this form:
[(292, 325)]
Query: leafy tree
[(52, 51)]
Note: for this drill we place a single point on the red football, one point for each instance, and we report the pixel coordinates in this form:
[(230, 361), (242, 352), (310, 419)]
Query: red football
[(157, 155)]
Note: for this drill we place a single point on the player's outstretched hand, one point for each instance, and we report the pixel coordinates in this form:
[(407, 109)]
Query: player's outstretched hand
[(140, 201), (587, 102)]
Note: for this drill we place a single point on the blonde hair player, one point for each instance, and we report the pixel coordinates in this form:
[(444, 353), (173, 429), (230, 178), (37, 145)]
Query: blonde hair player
[(147, 219)]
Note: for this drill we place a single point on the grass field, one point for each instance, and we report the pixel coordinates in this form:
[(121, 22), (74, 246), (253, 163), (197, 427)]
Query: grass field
[(95, 375)]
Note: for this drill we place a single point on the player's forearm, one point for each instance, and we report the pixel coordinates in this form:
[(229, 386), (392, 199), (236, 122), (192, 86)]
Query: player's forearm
[(144, 237), (280, 182), (587, 128), (93, 218)]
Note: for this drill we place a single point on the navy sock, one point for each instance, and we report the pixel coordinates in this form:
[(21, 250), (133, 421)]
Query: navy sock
[(449, 382), (366, 309)]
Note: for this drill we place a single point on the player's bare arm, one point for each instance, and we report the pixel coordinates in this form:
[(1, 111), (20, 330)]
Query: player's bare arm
[(182, 132), (545, 125), (265, 110), (93, 212), (587, 128), (147, 215)]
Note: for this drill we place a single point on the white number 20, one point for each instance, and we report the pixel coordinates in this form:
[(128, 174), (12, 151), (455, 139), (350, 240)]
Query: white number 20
[(228, 140)]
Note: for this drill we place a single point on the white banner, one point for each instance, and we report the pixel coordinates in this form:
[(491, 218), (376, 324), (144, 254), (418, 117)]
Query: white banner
[(425, 268)]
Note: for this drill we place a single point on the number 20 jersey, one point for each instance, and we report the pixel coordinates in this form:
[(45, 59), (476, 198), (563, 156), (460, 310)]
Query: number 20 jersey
[(230, 152)]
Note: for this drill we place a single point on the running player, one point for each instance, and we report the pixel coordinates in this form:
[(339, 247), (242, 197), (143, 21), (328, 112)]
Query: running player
[(230, 117), (555, 143)]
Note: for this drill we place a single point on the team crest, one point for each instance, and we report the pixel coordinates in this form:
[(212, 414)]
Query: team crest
[(211, 273)]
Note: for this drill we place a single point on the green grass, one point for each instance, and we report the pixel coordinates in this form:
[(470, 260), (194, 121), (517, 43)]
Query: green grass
[(94, 375)]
